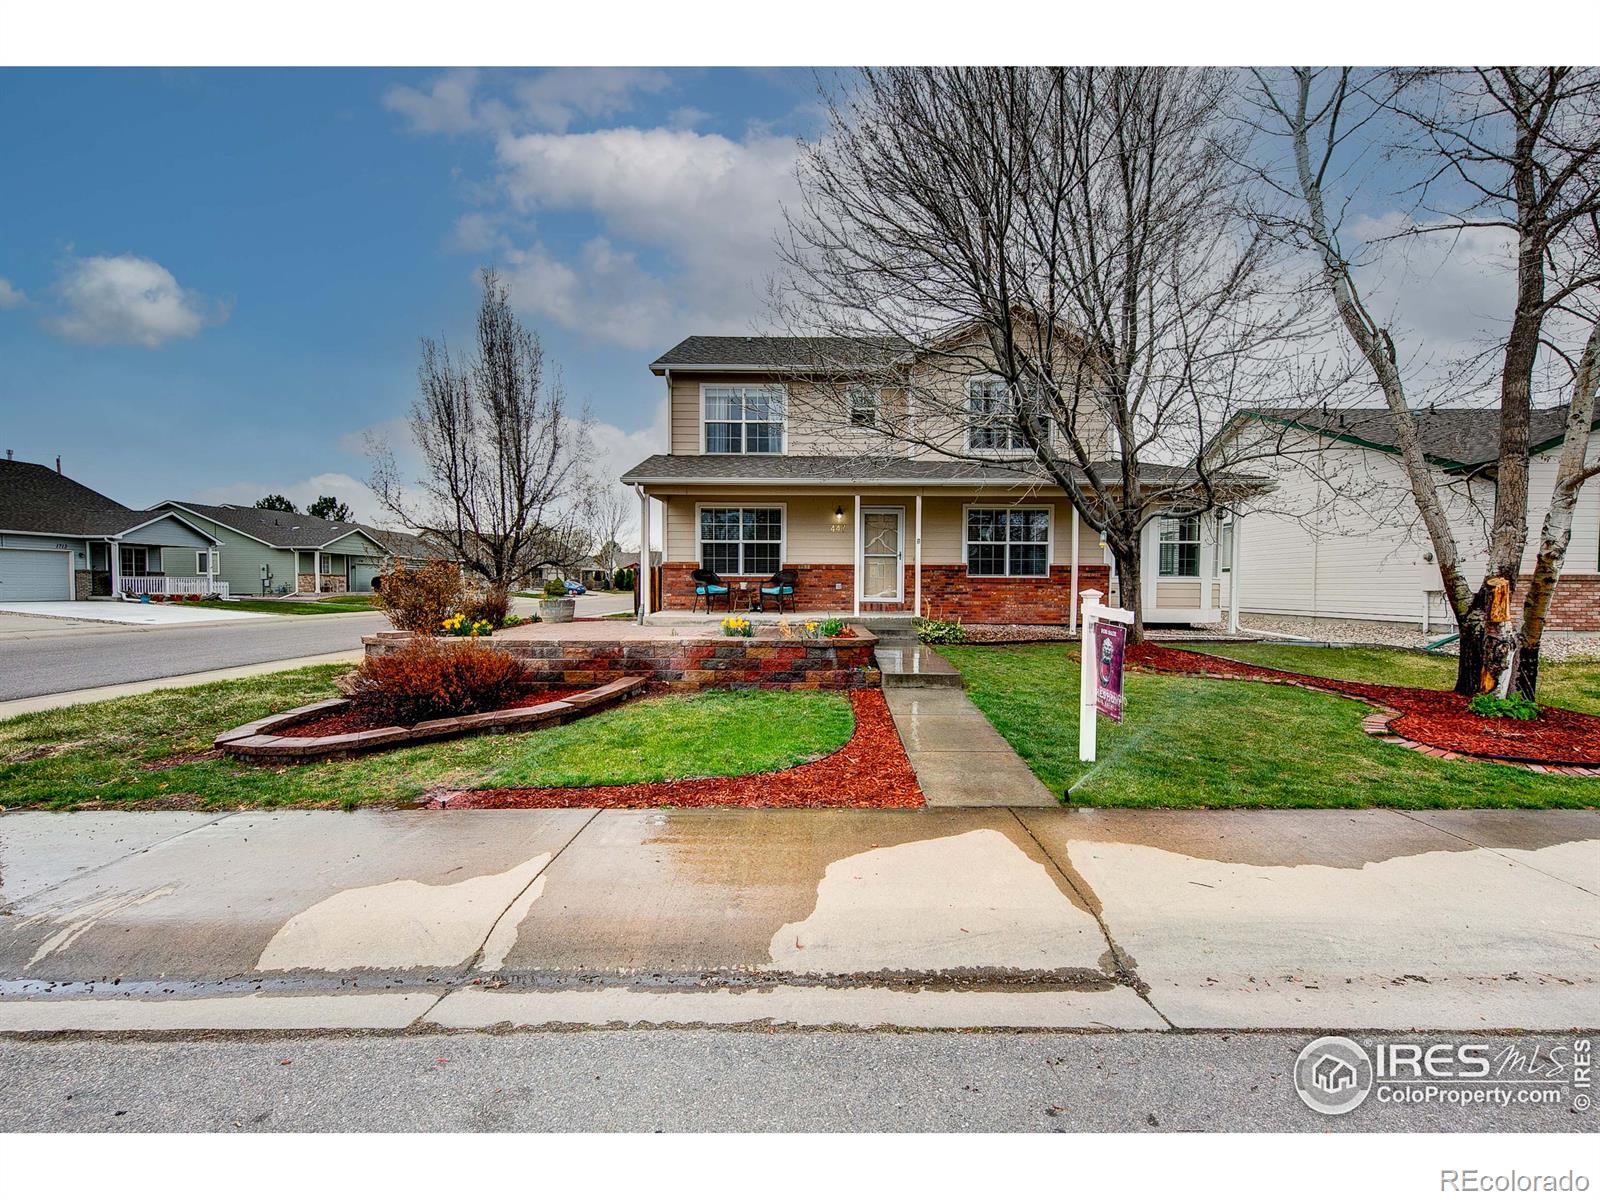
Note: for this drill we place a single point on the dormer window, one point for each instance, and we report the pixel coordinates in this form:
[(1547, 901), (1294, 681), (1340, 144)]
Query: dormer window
[(742, 419), (993, 422)]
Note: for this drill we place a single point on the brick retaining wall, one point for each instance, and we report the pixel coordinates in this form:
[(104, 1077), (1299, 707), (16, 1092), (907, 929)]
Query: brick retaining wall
[(692, 663), (1575, 605)]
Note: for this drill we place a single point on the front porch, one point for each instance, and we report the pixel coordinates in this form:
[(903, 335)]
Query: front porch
[(996, 556)]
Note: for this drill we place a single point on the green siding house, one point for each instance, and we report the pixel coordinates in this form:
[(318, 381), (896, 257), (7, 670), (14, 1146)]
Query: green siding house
[(263, 552)]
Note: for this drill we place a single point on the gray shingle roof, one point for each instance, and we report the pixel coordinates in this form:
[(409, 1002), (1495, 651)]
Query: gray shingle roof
[(34, 498), (830, 468), (406, 545), (775, 352), (286, 531), (1451, 437)]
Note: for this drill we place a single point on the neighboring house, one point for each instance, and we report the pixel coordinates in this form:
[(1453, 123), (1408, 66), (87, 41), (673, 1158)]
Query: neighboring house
[(1339, 537), (61, 540), (754, 481), (265, 552), (588, 571)]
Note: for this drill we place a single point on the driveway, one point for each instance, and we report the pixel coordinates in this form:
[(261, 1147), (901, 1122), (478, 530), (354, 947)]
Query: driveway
[(1366, 920), (116, 612)]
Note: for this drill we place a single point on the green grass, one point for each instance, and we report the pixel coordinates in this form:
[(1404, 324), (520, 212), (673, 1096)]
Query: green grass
[(290, 608), (1574, 685), (104, 752), (1206, 743)]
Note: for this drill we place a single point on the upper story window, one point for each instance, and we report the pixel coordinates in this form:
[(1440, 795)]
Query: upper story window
[(1180, 547), (993, 422), (863, 406), (742, 419)]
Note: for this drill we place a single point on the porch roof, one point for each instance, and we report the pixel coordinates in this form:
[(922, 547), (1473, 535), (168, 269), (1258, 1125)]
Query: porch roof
[(840, 469)]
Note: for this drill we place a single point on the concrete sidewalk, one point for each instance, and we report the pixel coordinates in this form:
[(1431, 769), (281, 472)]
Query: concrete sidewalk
[(971, 918), (960, 759)]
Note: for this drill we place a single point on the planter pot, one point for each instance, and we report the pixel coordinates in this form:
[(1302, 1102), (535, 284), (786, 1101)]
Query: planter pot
[(558, 610)]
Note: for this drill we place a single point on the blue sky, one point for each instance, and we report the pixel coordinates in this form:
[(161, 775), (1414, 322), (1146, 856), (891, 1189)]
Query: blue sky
[(212, 283)]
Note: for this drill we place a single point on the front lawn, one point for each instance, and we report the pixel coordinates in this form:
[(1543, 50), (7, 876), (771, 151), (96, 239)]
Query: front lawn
[(1574, 685), (292, 608), (155, 749), (1190, 742)]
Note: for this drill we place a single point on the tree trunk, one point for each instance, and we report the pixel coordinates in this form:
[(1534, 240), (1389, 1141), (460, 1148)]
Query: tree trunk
[(1130, 585), (1488, 646)]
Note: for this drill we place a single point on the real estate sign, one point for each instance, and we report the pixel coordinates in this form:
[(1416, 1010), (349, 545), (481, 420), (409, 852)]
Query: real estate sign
[(1109, 642)]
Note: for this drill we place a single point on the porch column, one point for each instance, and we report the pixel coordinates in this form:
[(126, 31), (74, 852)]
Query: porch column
[(114, 555), (644, 555), (1072, 605), (855, 563), (316, 572), (916, 570), (211, 565), (1233, 581)]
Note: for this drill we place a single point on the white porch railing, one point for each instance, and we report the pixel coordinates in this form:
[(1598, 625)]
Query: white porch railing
[(173, 585)]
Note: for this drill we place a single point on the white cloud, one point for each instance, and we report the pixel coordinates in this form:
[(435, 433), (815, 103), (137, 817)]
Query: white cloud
[(466, 101), (127, 299), (11, 297), (707, 206)]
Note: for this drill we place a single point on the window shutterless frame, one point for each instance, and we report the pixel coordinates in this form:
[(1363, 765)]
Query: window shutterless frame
[(992, 414), (1178, 547), (736, 417), (741, 506), (1004, 558)]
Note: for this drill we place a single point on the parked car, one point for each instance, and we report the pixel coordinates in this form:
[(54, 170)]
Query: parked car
[(574, 588)]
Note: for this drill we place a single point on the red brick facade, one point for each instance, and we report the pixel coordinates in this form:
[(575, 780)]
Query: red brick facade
[(948, 592), (1575, 605)]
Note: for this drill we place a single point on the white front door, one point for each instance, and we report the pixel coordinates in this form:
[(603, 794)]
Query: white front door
[(882, 552)]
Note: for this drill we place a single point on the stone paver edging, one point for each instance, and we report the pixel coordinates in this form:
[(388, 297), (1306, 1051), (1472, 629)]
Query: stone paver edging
[(255, 739)]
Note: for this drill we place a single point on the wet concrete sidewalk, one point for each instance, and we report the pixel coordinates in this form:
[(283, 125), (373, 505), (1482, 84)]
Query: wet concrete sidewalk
[(956, 918), (960, 759)]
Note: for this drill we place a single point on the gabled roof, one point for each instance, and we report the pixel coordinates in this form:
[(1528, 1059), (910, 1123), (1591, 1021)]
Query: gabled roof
[(1456, 439), (717, 353), (400, 544), (35, 498), (281, 530)]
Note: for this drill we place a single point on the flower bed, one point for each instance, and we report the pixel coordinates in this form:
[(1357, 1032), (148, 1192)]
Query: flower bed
[(351, 719), (869, 771), (1439, 723), (271, 739)]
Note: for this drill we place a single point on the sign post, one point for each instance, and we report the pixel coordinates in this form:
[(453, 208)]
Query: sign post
[(1100, 679)]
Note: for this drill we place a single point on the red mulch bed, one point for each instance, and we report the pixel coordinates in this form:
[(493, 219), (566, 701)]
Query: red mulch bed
[(1439, 719), (353, 720), (869, 771)]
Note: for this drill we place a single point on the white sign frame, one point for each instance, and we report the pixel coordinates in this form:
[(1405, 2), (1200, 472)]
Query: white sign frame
[(1092, 612)]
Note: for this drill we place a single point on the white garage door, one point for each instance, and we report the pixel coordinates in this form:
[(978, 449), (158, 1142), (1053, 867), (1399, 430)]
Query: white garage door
[(362, 575), (34, 575)]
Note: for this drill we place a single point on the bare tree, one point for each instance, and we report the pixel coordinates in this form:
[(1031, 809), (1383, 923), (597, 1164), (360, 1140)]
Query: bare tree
[(609, 512), (502, 480), (1516, 149), (1076, 232)]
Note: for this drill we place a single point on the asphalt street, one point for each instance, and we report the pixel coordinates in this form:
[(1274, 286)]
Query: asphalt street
[(700, 1081), (67, 660), (39, 666)]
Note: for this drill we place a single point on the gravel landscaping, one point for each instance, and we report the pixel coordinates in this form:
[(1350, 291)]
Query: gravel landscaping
[(1557, 647)]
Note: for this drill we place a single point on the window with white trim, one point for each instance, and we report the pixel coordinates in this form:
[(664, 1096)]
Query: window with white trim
[(994, 421), (1225, 545), (863, 405), (200, 557), (1180, 548), (135, 560), (1008, 542), (743, 420), (741, 541)]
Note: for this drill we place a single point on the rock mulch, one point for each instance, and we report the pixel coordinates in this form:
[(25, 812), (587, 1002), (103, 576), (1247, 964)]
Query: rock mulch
[(1436, 723), (869, 771), (1557, 647)]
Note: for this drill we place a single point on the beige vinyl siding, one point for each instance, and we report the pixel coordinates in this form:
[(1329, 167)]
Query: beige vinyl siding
[(1583, 551), (1178, 594), (812, 536)]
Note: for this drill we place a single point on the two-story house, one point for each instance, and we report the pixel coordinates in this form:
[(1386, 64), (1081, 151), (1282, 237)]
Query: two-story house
[(757, 479)]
